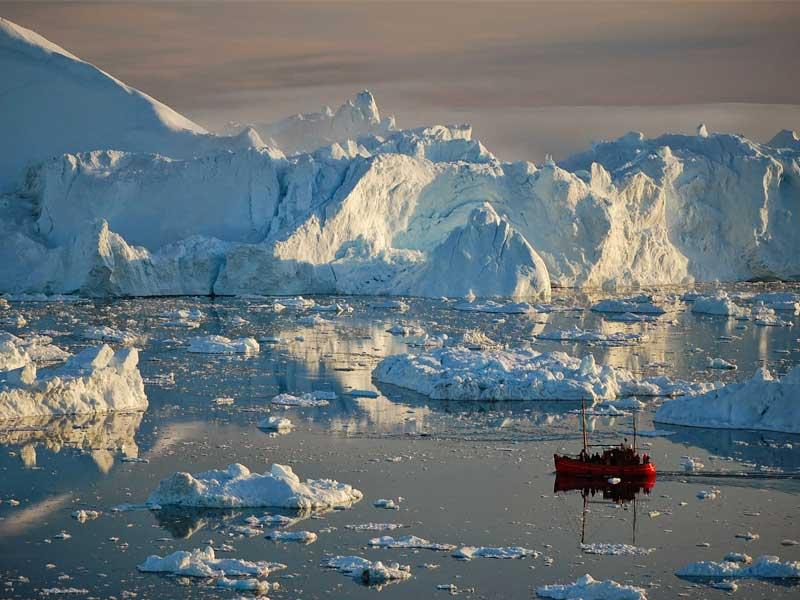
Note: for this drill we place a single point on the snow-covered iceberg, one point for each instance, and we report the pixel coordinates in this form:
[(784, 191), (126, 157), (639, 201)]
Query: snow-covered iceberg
[(96, 380), (761, 403), (204, 563), (425, 211), (588, 588), (237, 487), (764, 567)]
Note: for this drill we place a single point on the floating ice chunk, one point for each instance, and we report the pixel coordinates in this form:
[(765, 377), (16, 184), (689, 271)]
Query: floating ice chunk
[(107, 334), (84, 515), (376, 526), (720, 305), (96, 380), (789, 542), (245, 585), (16, 351), (405, 330), (204, 563), (748, 536), (237, 487), (739, 557), (761, 403), (635, 304), (297, 302), (588, 588), (13, 321), (630, 318), (615, 549), (461, 374), (190, 318), (304, 401), (279, 424), (691, 464), (492, 307), (721, 363), (409, 541), (470, 552), (766, 567), (473, 339), (388, 504), (766, 317), (336, 308), (593, 337), (223, 401), (217, 344), (314, 321), (303, 537), (367, 572), (728, 586), (708, 494)]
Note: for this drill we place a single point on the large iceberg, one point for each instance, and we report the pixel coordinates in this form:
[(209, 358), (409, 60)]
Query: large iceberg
[(362, 208), (515, 374), (96, 380), (761, 403)]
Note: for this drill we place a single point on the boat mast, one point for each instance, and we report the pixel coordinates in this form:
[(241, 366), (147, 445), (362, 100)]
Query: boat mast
[(634, 430), (583, 426)]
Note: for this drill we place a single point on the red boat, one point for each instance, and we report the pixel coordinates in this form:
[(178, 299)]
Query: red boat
[(625, 469), (615, 461)]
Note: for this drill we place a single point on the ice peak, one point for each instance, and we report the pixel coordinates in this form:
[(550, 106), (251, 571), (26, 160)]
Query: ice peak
[(702, 131), (785, 138)]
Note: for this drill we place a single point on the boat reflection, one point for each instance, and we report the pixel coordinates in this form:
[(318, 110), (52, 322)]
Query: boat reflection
[(618, 493)]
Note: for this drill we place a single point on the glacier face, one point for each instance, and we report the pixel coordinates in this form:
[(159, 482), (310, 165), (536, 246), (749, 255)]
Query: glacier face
[(376, 210)]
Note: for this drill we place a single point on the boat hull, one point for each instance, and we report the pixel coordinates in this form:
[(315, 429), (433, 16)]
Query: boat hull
[(578, 468)]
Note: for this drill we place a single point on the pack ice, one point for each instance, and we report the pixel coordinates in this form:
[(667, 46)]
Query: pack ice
[(761, 403), (359, 206), (237, 487), (96, 380)]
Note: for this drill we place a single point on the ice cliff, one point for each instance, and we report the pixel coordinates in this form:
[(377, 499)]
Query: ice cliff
[(350, 204)]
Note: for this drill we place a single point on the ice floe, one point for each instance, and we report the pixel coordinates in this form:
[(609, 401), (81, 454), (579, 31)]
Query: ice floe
[(470, 552), (279, 424), (217, 344), (764, 567), (368, 572), (96, 380), (588, 588), (636, 305), (409, 541), (593, 337), (615, 549), (302, 537), (720, 305), (760, 403), (103, 333), (236, 486), (204, 563), (311, 400)]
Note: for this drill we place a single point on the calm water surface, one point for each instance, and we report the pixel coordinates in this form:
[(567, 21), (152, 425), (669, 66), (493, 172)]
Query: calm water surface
[(468, 473)]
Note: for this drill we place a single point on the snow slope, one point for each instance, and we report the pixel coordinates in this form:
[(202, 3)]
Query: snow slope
[(426, 211), (52, 102)]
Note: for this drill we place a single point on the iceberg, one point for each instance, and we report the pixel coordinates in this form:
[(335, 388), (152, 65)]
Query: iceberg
[(237, 487), (764, 567), (359, 207), (515, 374), (94, 381), (588, 588), (762, 403), (204, 563)]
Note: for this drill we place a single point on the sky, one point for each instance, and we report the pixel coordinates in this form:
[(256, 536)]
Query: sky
[(532, 77)]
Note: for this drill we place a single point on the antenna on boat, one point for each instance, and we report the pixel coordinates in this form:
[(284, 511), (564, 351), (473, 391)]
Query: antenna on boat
[(583, 425), (634, 429)]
